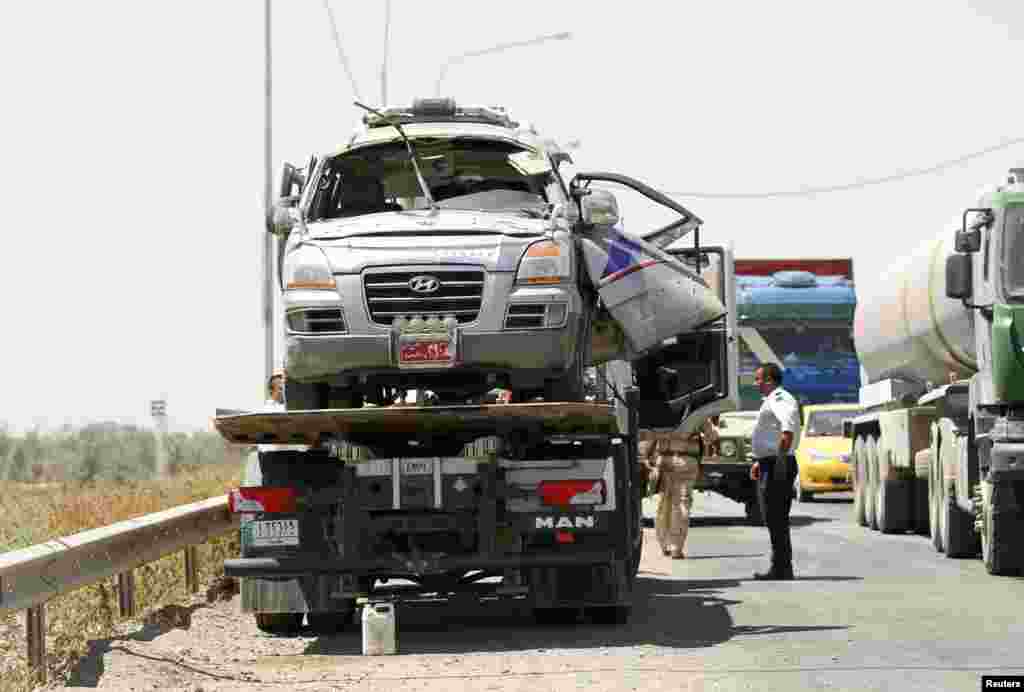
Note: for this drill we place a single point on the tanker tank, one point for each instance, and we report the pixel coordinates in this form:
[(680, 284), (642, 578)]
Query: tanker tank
[(906, 328)]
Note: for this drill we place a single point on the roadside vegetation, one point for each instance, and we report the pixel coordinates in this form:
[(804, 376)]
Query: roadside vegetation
[(58, 484)]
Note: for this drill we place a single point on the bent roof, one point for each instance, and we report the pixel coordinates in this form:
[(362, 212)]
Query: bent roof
[(379, 135)]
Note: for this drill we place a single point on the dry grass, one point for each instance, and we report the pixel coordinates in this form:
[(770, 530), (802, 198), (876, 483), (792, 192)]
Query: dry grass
[(33, 513)]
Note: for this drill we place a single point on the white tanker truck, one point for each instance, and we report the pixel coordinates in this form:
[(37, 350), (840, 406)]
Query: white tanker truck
[(940, 447)]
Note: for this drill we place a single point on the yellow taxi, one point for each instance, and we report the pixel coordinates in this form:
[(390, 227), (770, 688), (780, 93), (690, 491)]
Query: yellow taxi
[(824, 454)]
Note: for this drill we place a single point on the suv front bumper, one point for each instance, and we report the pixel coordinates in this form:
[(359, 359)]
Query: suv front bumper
[(483, 346)]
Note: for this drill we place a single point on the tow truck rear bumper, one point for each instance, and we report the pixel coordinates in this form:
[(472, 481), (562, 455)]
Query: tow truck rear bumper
[(308, 566)]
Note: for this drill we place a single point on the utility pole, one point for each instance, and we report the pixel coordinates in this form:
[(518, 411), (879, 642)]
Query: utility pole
[(267, 273), (384, 63)]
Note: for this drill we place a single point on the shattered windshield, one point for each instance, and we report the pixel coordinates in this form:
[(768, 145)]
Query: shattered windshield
[(1013, 254), (462, 173)]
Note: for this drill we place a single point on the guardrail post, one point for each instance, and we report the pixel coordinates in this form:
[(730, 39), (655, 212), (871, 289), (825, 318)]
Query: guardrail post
[(192, 569), (126, 593), (35, 631)]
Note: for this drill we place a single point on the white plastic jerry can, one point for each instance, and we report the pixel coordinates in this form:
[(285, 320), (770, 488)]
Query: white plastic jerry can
[(379, 629)]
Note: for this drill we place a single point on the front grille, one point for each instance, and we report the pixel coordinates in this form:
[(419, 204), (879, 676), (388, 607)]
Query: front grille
[(316, 320), (524, 316), (388, 295)]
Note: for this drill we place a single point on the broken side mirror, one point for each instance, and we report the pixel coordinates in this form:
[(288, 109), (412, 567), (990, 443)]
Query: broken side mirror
[(291, 178), (560, 157), (284, 215), (599, 208), (958, 276), (968, 240)]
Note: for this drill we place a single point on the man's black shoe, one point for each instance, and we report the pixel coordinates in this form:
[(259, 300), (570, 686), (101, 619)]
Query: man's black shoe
[(774, 575)]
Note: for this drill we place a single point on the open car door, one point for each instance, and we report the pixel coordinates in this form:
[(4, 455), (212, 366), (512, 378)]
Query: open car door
[(693, 375), (647, 295)]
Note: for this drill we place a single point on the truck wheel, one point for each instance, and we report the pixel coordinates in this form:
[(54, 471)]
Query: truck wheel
[(858, 481), (610, 615), (958, 530), (1003, 527), (922, 515), (753, 510), (279, 624), (871, 477), (936, 511), (891, 506), (1001, 532)]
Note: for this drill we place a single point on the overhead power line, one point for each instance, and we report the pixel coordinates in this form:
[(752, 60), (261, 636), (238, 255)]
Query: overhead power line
[(341, 52), (866, 182)]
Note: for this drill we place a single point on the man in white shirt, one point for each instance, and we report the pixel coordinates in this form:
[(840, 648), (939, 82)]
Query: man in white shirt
[(776, 435), (275, 392)]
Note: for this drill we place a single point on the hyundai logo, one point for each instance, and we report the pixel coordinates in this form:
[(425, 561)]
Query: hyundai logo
[(424, 284)]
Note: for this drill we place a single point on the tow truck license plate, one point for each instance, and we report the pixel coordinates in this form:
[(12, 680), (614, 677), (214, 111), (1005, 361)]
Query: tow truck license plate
[(426, 352), (268, 534)]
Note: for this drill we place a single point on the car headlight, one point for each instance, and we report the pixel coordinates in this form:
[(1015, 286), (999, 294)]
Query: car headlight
[(544, 262), (307, 267), (727, 448)]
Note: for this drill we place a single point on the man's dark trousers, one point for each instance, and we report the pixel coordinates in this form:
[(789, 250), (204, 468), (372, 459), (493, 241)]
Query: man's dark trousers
[(776, 497)]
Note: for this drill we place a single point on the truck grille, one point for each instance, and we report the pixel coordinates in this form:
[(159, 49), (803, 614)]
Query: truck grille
[(388, 295)]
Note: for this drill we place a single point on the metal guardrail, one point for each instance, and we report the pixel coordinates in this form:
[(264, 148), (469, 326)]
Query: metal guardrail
[(31, 576)]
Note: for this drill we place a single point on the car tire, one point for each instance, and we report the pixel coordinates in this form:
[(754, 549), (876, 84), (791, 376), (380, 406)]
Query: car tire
[(799, 494)]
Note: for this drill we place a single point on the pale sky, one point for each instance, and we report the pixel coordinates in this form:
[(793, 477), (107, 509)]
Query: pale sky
[(133, 165)]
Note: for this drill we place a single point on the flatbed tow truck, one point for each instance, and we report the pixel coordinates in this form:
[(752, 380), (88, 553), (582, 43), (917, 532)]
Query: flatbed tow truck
[(544, 495), (442, 250)]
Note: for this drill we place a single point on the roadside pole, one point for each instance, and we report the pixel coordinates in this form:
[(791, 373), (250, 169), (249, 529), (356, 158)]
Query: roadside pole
[(158, 409), (267, 272)]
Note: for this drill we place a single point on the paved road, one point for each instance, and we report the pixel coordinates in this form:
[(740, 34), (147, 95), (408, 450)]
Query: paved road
[(867, 612)]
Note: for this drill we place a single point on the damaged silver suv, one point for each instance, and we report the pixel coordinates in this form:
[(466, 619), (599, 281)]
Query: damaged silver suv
[(441, 250)]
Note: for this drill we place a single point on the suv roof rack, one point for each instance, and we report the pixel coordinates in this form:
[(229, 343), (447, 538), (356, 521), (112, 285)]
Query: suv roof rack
[(437, 110)]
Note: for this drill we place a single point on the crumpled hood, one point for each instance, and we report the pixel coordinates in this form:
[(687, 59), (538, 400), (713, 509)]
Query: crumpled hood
[(493, 241)]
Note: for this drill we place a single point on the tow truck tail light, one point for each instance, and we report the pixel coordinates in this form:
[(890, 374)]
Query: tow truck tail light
[(267, 500), (565, 493)]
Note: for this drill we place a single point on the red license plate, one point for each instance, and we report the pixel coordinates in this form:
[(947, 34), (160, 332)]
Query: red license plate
[(425, 352)]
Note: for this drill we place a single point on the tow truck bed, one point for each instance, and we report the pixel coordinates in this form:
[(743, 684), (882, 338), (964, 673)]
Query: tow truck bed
[(311, 427)]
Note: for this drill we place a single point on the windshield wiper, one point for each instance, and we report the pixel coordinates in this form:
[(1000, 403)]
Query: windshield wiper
[(434, 209)]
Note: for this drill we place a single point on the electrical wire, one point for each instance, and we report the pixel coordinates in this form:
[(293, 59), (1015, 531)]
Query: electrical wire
[(867, 182), (341, 53)]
